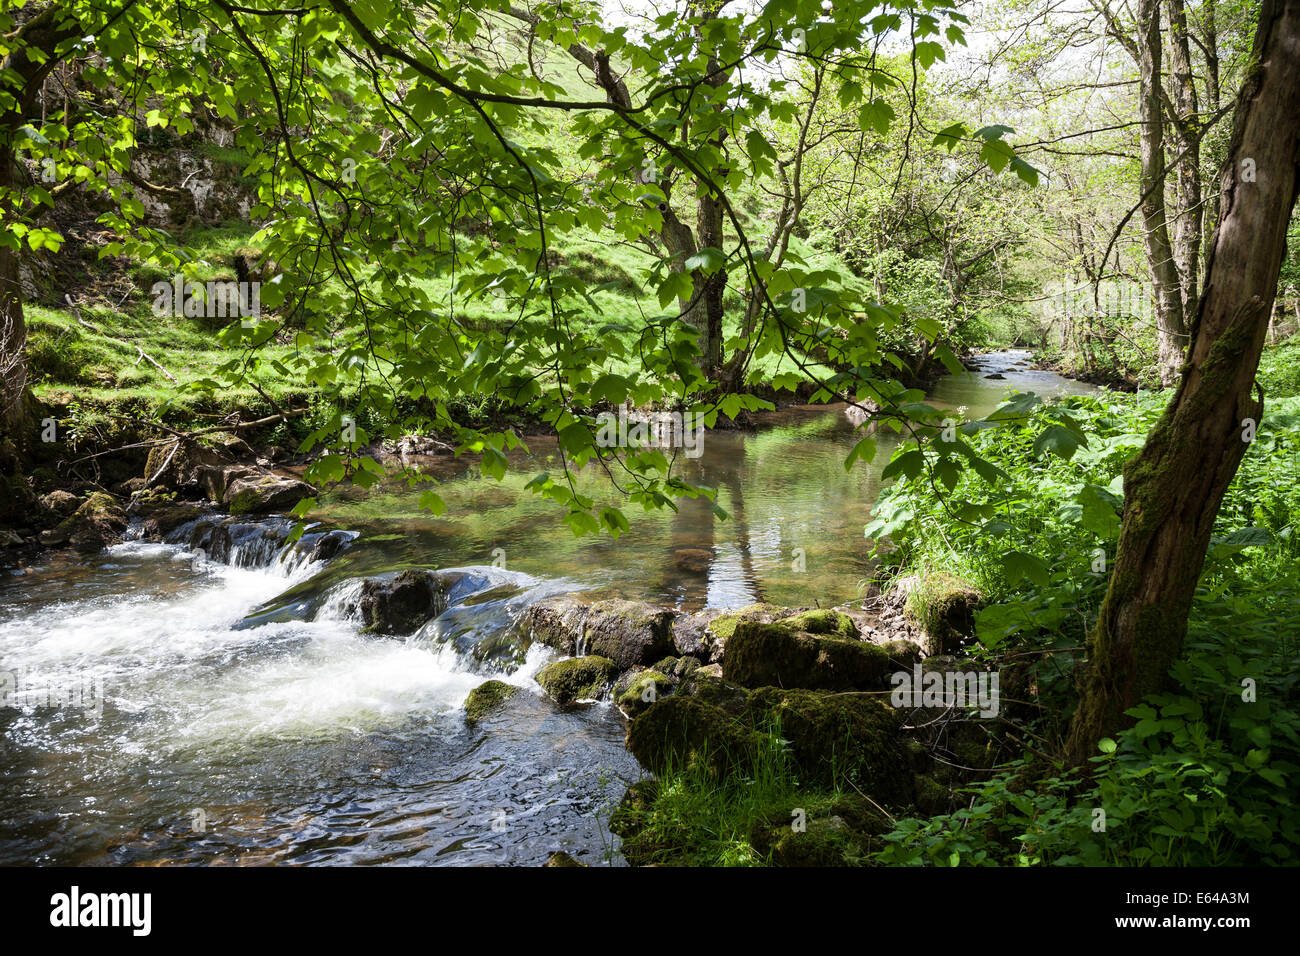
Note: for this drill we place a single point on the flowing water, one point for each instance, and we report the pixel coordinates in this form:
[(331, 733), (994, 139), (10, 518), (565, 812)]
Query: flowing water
[(211, 700)]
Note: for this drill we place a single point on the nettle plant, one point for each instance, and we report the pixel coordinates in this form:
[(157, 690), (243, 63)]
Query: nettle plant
[(417, 164)]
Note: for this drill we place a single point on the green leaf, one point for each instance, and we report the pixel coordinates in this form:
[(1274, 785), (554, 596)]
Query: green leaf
[(1020, 565), (1057, 439), (876, 115)]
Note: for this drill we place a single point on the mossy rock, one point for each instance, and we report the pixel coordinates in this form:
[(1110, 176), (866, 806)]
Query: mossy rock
[(261, 494), (577, 678), (728, 698), (677, 668), (902, 654), (944, 607), (820, 621), (560, 858), (825, 841), (97, 523), (678, 732), (629, 632), (932, 798), (836, 737), (403, 603), (724, 625), (486, 697), (645, 689), (761, 655)]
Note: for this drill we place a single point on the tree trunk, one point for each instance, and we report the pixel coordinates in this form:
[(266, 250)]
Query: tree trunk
[(1187, 141), (13, 328), (1174, 486), (43, 32), (709, 229), (1171, 329)]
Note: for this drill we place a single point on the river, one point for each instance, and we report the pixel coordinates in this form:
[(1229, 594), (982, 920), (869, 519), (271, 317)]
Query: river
[(172, 708)]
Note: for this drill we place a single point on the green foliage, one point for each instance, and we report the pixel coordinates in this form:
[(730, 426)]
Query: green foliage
[(1206, 776)]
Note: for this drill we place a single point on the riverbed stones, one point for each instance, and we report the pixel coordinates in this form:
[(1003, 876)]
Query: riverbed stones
[(264, 492), (403, 603), (487, 697), (577, 678), (98, 522), (781, 655)]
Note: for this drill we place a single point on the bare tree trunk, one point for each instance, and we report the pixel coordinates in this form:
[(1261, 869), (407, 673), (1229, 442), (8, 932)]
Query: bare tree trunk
[(1173, 488), (1171, 329)]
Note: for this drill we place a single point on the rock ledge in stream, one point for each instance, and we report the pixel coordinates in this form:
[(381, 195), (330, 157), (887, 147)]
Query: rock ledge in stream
[(401, 604), (629, 633), (784, 654)]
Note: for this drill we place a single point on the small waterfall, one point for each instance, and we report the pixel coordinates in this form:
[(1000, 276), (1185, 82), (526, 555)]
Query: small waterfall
[(260, 543)]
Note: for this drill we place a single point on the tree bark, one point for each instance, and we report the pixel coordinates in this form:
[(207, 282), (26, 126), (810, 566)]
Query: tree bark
[(1171, 328), (43, 32), (1173, 488), (1187, 141)]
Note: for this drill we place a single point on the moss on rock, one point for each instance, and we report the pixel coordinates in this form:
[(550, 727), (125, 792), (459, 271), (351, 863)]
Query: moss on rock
[(487, 697), (822, 622), (836, 737), (648, 687), (577, 678), (677, 732), (724, 625), (760, 655)]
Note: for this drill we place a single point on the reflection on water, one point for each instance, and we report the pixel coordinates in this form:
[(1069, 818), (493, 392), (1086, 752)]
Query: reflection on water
[(796, 516), (229, 711)]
